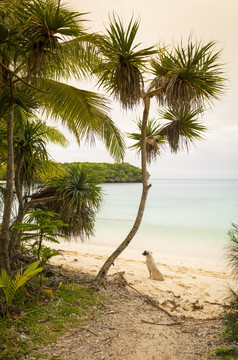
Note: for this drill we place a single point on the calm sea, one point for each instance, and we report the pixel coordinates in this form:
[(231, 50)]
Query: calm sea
[(182, 217)]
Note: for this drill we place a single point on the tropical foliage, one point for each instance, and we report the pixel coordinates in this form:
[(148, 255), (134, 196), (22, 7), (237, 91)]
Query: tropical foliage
[(184, 79), (232, 250), (112, 173), (155, 142), (32, 160), (231, 315), (39, 226), (10, 286), (120, 71), (102, 172), (180, 131), (189, 75), (74, 195), (43, 44)]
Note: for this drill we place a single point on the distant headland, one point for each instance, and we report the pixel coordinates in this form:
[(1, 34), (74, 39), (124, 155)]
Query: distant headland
[(111, 173), (103, 172)]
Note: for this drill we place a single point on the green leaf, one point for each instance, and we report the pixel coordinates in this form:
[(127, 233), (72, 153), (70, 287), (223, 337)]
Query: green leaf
[(188, 75), (122, 65), (10, 286), (85, 114)]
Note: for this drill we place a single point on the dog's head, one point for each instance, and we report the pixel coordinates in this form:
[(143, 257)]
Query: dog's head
[(147, 252)]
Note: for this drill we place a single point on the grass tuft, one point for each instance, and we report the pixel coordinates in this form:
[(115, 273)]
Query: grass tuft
[(41, 317)]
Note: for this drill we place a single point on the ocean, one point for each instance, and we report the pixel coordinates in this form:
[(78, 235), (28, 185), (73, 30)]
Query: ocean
[(189, 218)]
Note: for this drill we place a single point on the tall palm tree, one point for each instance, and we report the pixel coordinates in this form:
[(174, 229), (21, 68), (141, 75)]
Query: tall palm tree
[(41, 43), (185, 78)]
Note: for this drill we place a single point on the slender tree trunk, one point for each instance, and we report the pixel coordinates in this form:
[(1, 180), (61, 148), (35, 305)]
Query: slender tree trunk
[(14, 245), (145, 188), (4, 234)]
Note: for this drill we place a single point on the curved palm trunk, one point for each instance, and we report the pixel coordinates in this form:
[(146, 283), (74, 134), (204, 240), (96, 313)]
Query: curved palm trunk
[(145, 188), (4, 234)]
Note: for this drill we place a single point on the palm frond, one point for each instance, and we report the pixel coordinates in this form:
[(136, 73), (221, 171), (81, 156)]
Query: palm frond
[(52, 134), (113, 139), (183, 127), (30, 150), (79, 58), (154, 141), (30, 138), (23, 100), (45, 24), (188, 75), (77, 198), (51, 170), (10, 286), (122, 63), (85, 114), (232, 249)]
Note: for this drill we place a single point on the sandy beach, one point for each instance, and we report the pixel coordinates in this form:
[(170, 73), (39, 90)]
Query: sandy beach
[(192, 287)]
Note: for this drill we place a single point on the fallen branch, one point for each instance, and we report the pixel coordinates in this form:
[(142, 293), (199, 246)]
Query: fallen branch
[(161, 324), (218, 304), (209, 319), (151, 301), (109, 339), (92, 315), (85, 282), (93, 333), (75, 332)]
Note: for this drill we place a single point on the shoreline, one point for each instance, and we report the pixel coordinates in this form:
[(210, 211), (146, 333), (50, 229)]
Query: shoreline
[(134, 251), (191, 288)]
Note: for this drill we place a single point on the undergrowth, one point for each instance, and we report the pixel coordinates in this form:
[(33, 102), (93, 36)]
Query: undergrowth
[(228, 353), (39, 316)]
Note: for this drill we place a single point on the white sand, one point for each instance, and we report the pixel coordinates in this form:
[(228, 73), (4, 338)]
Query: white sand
[(187, 280)]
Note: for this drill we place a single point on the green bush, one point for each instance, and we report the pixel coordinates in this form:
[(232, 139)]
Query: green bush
[(231, 318), (10, 286), (231, 315)]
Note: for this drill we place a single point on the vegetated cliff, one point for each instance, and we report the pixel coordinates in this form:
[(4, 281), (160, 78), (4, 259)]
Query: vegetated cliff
[(104, 172), (112, 173)]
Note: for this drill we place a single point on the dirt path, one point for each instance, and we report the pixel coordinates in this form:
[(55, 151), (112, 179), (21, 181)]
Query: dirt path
[(130, 328)]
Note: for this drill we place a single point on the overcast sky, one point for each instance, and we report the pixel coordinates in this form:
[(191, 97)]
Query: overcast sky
[(164, 21)]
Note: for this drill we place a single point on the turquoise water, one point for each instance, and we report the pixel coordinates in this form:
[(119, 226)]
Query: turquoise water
[(183, 217)]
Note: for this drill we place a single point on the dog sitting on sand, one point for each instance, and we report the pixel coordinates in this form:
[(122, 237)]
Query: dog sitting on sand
[(154, 272)]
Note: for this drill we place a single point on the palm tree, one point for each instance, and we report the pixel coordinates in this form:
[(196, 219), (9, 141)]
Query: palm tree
[(41, 43), (184, 80), (75, 195), (31, 160)]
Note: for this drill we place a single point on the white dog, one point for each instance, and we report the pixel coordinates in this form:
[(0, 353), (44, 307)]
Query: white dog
[(155, 274)]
